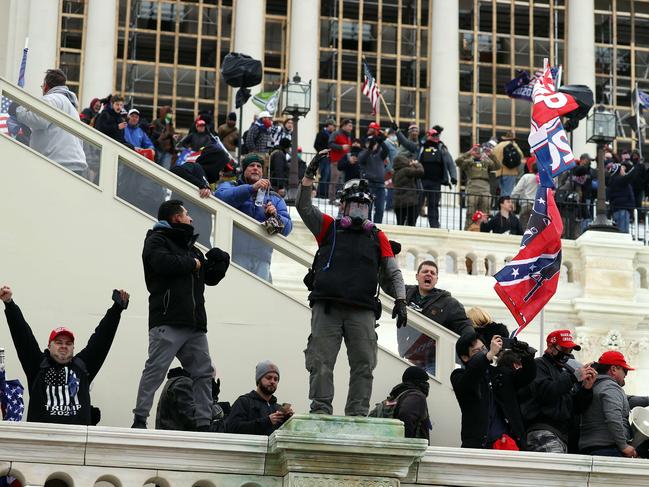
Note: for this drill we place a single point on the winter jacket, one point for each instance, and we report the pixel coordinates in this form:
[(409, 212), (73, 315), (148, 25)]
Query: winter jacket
[(321, 140), (619, 191), (352, 171), (605, 423), (412, 409), (554, 399), (442, 308), (372, 163), (50, 140), (477, 169), (478, 387), (499, 224), (416, 148), (87, 115), (279, 169), (137, 137), (176, 404), (175, 287), (250, 415), (163, 132), (107, 123), (336, 141), (195, 140), (242, 197), (499, 152), (193, 173), (229, 136), (405, 192), (258, 138), (60, 393)]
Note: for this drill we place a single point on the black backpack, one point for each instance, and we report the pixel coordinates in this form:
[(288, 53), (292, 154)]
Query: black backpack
[(511, 157)]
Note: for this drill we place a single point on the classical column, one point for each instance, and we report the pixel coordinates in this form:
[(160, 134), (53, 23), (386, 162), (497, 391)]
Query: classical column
[(14, 15), (303, 59), (580, 66), (43, 36), (444, 72), (98, 77), (249, 30)]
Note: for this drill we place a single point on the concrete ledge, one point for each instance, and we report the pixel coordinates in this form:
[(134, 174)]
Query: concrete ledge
[(42, 443)]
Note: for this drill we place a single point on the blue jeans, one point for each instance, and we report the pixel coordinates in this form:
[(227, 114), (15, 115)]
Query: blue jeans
[(378, 190), (433, 192), (388, 199), (621, 219), (325, 177), (506, 184), (607, 452)]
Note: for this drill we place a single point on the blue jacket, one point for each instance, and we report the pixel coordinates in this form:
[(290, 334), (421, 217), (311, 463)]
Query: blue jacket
[(242, 197), (137, 138)]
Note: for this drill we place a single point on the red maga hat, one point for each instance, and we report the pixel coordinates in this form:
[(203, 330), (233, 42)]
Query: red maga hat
[(613, 357), (563, 338), (61, 330)]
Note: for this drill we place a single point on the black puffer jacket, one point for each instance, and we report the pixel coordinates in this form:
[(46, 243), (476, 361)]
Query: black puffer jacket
[(444, 309), (175, 288), (476, 383), (412, 409), (555, 398), (250, 415)]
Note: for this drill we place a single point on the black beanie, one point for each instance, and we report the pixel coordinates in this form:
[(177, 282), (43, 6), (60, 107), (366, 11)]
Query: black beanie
[(414, 374), (232, 116)]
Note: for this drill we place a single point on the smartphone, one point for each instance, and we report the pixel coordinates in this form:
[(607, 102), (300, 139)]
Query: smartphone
[(285, 407), (117, 297)]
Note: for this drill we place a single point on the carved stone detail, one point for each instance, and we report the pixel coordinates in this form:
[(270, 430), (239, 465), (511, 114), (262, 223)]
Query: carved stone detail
[(594, 344), (319, 480)]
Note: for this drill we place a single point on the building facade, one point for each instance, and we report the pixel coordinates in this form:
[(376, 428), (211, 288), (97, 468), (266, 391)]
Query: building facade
[(436, 61)]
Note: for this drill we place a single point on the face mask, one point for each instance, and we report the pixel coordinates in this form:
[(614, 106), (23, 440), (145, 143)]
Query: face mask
[(267, 122), (168, 117), (561, 357), (393, 138)]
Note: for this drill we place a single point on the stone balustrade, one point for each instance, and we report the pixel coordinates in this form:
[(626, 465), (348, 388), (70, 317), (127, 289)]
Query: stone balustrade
[(308, 451)]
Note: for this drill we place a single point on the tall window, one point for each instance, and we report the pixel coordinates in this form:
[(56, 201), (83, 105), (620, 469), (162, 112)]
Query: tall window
[(169, 53), (621, 59), (276, 43), (72, 41), (498, 37), (392, 35)]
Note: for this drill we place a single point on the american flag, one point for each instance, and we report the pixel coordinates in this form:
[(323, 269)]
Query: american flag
[(370, 88), (11, 398), (5, 102)]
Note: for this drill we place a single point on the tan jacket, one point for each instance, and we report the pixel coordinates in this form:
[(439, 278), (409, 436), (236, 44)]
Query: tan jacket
[(477, 170), (498, 154)]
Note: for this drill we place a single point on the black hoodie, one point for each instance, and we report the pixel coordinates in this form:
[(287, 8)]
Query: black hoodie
[(412, 409), (250, 415)]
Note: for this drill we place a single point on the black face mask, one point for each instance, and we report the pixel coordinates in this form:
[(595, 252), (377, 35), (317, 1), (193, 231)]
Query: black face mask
[(561, 357)]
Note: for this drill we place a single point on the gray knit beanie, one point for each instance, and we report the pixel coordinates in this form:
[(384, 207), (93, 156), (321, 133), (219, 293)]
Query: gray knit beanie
[(264, 368)]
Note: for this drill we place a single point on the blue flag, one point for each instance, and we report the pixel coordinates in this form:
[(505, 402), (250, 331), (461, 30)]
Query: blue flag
[(643, 98)]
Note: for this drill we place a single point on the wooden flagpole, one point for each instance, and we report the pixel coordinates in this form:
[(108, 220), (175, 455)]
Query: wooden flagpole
[(385, 105)]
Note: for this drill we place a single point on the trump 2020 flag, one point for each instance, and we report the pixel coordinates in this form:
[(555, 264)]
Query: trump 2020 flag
[(530, 279), (12, 404), (548, 139)]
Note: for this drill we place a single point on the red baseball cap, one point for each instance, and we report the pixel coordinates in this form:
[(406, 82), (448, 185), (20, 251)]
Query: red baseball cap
[(563, 338), (200, 121), (374, 125), (613, 357), (432, 132), (61, 330)]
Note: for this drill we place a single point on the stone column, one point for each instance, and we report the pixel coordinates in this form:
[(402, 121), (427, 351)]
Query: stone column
[(249, 31), (98, 63), (580, 65), (444, 72), (14, 20), (42, 27), (303, 59)]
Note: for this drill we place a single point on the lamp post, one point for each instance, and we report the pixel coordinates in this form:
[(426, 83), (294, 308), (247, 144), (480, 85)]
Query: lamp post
[(600, 128), (296, 102)]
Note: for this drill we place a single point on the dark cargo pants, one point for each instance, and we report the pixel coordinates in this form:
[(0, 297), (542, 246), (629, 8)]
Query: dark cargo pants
[(330, 323)]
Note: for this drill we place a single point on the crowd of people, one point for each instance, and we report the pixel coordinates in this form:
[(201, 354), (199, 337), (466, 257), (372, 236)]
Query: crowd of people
[(508, 399)]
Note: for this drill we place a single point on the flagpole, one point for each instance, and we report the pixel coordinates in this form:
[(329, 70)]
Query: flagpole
[(637, 119), (542, 332), (386, 107)]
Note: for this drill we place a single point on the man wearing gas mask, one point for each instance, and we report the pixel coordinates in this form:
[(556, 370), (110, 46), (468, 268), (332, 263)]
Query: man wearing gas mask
[(559, 393), (344, 282)]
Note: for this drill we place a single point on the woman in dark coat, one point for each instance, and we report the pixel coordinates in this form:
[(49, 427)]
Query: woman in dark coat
[(405, 193)]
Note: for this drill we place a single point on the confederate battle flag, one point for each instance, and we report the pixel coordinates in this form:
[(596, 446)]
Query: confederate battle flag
[(530, 279)]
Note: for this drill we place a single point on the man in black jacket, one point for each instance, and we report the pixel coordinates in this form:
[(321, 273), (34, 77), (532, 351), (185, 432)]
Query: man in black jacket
[(436, 304), (504, 221), (412, 407), (193, 173), (111, 121), (176, 273), (552, 403), (257, 413), (321, 143), (58, 380), (488, 395)]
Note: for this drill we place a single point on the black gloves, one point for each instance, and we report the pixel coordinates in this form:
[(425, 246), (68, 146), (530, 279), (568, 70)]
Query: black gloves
[(12, 109), (394, 127), (312, 168), (453, 181), (217, 255), (400, 312)]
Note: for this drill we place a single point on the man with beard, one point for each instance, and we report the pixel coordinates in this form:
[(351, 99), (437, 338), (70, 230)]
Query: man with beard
[(258, 413), (176, 273)]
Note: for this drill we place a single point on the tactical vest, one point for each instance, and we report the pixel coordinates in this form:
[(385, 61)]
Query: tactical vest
[(431, 158), (346, 268)]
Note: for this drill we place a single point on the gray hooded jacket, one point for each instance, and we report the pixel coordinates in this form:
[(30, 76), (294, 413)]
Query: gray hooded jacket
[(606, 421), (53, 141)]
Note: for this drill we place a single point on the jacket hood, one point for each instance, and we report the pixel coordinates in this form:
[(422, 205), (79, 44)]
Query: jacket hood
[(256, 397), (401, 161), (178, 372), (404, 386), (159, 225), (63, 90)]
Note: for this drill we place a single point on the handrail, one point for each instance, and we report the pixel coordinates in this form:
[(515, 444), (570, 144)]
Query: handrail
[(113, 153)]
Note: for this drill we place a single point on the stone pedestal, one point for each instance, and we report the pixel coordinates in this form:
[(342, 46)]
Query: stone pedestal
[(349, 451)]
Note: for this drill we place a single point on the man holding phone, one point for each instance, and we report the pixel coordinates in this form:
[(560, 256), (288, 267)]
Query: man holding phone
[(58, 380), (258, 412)]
